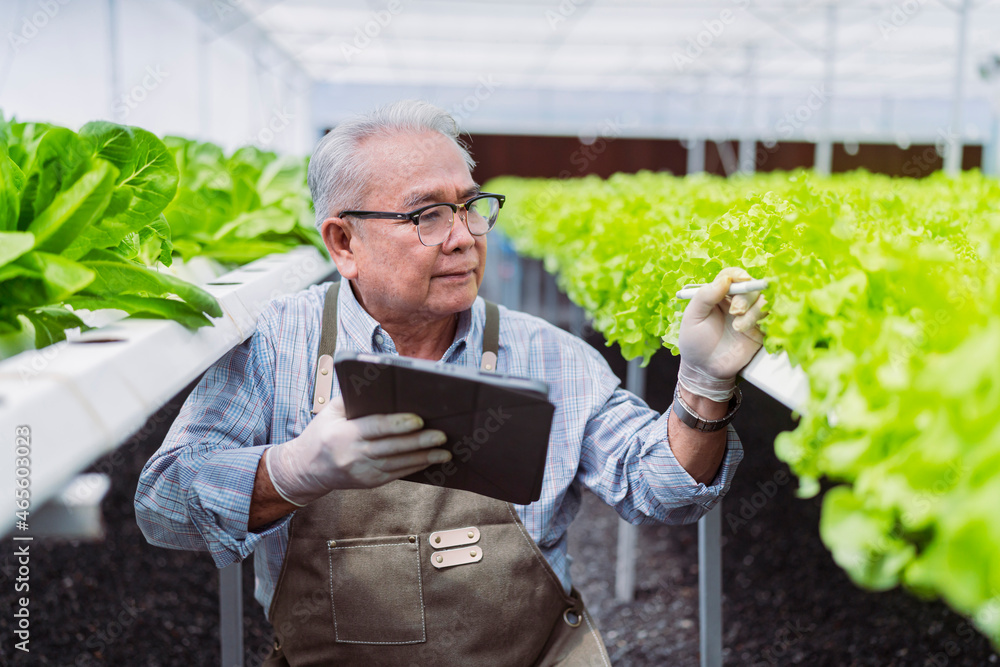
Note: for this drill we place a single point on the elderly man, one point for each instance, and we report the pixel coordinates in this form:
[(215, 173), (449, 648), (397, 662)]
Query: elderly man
[(344, 548)]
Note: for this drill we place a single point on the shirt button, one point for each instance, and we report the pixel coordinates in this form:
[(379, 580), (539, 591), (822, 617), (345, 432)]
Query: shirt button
[(379, 339)]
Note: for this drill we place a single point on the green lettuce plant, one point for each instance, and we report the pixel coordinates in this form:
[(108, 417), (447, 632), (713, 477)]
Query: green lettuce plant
[(887, 293), (79, 214), (236, 209)]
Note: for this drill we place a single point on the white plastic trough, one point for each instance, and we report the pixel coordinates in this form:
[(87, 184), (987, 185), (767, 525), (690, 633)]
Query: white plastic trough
[(82, 399)]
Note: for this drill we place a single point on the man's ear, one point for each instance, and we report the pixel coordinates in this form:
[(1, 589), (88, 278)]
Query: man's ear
[(338, 234)]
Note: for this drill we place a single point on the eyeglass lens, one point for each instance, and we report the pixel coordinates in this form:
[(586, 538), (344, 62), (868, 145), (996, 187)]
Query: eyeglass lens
[(435, 223)]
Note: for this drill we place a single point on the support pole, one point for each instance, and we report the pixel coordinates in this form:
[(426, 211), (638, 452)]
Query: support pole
[(823, 157), (114, 63), (231, 614), (628, 534), (953, 145), (730, 162), (696, 156), (550, 299), (577, 320), (512, 274), (204, 82), (533, 281), (710, 587), (748, 139), (991, 152), (748, 155)]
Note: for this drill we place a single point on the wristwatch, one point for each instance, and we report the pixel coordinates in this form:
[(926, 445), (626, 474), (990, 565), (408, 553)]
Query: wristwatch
[(690, 418)]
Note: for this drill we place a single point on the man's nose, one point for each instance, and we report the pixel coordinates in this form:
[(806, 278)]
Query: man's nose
[(459, 236)]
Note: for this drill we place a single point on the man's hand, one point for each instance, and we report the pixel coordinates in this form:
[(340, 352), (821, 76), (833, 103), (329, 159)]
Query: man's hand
[(719, 335), (334, 452)]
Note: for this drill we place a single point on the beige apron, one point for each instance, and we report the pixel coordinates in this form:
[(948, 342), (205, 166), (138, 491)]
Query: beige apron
[(412, 574)]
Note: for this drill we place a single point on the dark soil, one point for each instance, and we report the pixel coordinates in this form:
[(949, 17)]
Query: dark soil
[(124, 602)]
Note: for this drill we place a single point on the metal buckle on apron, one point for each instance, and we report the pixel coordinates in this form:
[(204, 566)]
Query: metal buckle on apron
[(445, 539), (453, 557)]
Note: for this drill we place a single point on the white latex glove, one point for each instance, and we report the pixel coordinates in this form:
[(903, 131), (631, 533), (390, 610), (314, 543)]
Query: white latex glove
[(719, 336), (334, 452)]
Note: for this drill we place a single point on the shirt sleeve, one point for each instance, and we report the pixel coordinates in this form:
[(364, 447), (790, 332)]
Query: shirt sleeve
[(194, 493), (626, 457)]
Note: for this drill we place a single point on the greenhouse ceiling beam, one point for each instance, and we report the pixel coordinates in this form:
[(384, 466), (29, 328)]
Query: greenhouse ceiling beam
[(671, 113), (325, 49), (638, 79)]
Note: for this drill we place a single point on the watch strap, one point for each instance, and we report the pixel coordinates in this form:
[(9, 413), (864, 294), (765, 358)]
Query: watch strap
[(691, 418)]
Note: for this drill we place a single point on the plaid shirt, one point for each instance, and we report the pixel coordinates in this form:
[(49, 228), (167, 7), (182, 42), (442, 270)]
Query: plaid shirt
[(194, 493)]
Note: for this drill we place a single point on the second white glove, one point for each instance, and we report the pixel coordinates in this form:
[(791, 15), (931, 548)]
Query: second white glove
[(719, 336)]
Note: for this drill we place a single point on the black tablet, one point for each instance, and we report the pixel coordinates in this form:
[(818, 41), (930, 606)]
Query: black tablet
[(497, 425)]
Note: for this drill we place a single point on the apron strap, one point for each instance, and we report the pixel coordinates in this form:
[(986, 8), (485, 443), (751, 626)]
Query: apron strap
[(491, 337), (323, 386), (328, 345)]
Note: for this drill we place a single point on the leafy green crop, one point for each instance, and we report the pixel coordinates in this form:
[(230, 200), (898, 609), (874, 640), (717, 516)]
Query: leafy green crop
[(887, 294), (239, 208), (78, 213), (84, 216)]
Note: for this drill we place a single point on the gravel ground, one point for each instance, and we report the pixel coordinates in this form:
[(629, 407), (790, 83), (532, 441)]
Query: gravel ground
[(124, 602)]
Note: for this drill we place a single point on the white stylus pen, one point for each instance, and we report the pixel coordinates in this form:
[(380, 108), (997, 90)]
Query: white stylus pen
[(736, 288)]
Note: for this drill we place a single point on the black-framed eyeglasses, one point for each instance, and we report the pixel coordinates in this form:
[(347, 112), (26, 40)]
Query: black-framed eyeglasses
[(434, 222)]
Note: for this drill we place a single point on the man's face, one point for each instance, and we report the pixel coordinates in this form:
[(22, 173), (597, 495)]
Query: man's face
[(397, 277)]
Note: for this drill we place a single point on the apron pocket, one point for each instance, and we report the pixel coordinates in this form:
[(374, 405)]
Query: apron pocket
[(376, 591)]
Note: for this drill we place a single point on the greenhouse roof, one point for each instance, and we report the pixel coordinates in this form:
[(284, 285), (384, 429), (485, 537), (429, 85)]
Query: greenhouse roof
[(857, 48)]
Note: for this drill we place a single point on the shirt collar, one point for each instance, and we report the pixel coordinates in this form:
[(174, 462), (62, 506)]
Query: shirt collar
[(367, 334)]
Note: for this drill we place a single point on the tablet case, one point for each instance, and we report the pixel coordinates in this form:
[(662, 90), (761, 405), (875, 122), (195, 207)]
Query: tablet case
[(497, 426)]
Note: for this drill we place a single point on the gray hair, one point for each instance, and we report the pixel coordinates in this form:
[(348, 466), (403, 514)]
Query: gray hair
[(338, 173)]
